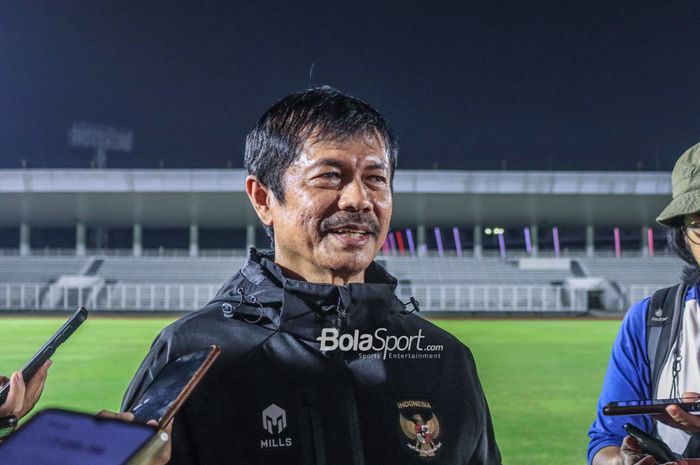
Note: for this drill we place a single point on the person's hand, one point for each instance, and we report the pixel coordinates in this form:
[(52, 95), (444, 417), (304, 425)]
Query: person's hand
[(676, 417), (631, 454), (164, 455), (22, 397)]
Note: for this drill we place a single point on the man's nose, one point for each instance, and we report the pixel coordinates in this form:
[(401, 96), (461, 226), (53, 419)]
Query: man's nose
[(354, 196)]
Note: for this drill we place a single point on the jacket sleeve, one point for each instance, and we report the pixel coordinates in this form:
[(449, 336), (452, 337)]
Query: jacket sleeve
[(158, 356), (486, 451), (627, 378)]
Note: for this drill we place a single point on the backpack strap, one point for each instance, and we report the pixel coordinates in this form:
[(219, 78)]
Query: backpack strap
[(663, 325)]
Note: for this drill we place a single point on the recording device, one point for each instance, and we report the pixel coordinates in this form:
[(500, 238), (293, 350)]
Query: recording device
[(63, 437), (171, 387), (48, 349), (648, 407), (651, 445)]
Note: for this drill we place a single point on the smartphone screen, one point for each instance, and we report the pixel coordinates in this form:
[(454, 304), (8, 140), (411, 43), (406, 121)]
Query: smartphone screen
[(648, 406), (174, 382), (62, 437)]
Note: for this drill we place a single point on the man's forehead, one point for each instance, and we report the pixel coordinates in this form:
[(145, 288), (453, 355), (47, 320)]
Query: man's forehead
[(323, 150)]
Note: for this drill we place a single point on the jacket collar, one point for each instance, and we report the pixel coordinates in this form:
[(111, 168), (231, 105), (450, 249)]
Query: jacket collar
[(304, 308)]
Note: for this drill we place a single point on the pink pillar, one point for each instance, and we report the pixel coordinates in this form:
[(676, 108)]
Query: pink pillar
[(555, 236), (399, 242), (438, 240), (502, 245), (528, 240), (411, 247)]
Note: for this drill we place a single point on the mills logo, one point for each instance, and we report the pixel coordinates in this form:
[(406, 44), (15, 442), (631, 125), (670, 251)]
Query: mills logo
[(274, 421)]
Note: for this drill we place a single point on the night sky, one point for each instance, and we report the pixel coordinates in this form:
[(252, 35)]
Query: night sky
[(465, 85)]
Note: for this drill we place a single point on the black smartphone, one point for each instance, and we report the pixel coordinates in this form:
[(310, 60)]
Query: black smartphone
[(48, 349), (172, 385), (63, 437), (7, 425), (647, 407), (651, 445)]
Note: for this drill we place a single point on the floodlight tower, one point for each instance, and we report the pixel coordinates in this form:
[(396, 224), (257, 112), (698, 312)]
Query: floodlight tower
[(101, 138)]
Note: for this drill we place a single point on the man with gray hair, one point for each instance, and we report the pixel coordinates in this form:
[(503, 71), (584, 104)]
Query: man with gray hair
[(321, 362)]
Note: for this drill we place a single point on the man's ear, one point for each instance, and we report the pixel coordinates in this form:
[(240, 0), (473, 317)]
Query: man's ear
[(260, 196)]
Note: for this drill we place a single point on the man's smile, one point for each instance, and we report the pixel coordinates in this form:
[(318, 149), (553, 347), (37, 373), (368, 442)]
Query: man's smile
[(352, 230)]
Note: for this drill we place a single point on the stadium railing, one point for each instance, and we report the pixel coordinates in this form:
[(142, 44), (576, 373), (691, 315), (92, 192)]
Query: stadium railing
[(638, 292), (494, 298), (114, 297), (186, 297)]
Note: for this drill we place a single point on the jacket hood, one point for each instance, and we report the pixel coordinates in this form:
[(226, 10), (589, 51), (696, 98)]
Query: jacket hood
[(261, 294)]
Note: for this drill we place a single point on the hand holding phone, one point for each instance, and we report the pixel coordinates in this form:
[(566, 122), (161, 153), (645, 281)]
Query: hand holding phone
[(48, 349), (650, 445), (23, 396)]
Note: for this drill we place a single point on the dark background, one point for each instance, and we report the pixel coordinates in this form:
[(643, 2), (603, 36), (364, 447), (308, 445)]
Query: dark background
[(466, 85)]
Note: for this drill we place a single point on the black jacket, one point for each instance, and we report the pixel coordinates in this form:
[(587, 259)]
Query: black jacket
[(274, 397)]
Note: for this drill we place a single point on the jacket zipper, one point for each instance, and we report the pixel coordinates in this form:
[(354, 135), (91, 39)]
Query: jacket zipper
[(348, 396)]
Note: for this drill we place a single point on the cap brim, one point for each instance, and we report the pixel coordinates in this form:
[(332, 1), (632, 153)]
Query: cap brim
[(684, 204)]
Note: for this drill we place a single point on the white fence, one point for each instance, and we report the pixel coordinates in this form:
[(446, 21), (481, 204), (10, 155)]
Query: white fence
[(156, 297), (511, 298), (638, 292), (185, 297)]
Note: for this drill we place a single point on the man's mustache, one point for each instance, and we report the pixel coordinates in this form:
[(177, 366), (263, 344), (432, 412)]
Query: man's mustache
[(364, 219)]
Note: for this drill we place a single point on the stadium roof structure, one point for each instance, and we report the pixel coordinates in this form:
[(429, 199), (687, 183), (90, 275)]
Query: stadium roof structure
[(216, 198)]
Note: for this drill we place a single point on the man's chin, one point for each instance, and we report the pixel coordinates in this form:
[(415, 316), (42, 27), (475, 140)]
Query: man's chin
[(343, 265)]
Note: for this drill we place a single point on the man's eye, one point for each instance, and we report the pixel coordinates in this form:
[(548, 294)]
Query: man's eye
[(331, 175), (377, 178)]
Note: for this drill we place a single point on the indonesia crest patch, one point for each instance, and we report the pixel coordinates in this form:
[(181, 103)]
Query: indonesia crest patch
[(420, 427)]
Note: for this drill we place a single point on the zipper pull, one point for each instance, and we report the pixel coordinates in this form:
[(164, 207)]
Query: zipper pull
[(343, 301)]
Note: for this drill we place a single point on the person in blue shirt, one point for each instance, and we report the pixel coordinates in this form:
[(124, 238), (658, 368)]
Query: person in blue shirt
[(628, 376)]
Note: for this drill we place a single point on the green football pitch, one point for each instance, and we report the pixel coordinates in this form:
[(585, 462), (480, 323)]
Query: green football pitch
[(541, 377)]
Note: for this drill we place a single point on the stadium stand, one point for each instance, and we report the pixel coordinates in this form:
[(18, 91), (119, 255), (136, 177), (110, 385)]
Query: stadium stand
[(455, 270), (173, 270), (626, 272), (439, 283), (38, 269), (176, 235)]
